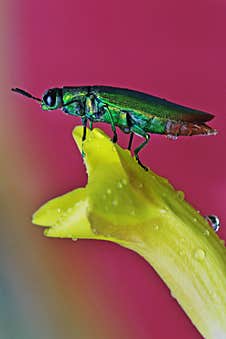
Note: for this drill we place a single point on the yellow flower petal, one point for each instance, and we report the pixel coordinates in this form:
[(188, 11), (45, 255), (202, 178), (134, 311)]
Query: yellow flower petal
[(142, 211)]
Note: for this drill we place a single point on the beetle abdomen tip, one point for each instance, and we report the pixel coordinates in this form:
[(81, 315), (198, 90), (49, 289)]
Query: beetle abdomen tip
[(181, 128)]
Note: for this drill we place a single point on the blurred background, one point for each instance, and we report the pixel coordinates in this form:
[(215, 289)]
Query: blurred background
[(51, 288)]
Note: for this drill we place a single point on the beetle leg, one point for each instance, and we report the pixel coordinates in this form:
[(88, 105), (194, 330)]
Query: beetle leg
[(139, 148), (130, 141), (129, 123), (115, 136), (105, 106), (84, 123)]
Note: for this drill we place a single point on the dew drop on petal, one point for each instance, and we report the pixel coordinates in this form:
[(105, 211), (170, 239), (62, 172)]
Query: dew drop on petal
[(124, 181), (200, 254), (181, 253), (108, 191), (172, 294), (113, 149), (119, 184), (115, 202), (206, 232), (58, 210), (214, 222), (180, 195)]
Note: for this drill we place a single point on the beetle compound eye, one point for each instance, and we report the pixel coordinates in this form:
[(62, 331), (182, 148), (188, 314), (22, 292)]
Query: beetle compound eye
[(50, 99)]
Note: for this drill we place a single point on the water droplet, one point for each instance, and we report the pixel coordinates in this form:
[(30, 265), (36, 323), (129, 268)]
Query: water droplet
[(181, 253), (74, 239), (156, 227), (195, 219), (172, 294), (214, 221), (115, 202), (172, 137), (206, 232), (108, 191), (124, 181), (180, 195), (212, 132), (113, 149), (119, 184), (58, 210), (200, 254), (163, 211)]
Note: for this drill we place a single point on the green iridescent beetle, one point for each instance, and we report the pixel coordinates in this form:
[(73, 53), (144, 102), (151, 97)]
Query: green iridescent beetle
[(132, 111)]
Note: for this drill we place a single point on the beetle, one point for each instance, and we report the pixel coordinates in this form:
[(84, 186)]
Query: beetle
[(132, 111)]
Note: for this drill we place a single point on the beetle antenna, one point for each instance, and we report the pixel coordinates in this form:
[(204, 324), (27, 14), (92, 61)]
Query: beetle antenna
[(26, 94)]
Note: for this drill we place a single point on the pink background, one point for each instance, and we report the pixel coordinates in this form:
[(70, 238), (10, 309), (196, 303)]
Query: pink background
[(174, 49)]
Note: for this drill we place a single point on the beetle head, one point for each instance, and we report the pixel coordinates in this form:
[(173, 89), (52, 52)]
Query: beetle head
[(52, 99)]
